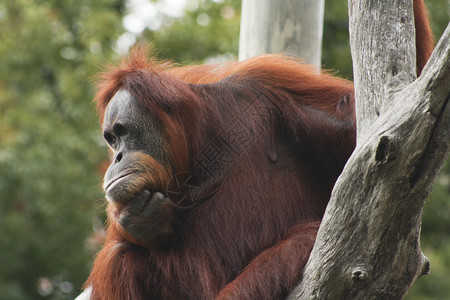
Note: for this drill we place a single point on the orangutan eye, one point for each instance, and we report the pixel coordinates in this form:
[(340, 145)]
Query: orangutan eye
[(110, 139)]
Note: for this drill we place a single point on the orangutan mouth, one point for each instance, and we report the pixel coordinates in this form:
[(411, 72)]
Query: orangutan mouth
[(116, 180)]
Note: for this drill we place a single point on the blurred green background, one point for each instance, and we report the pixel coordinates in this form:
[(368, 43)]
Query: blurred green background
[(51, 151)]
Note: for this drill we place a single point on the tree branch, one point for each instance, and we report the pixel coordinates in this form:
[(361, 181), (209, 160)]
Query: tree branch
[(368, 243)]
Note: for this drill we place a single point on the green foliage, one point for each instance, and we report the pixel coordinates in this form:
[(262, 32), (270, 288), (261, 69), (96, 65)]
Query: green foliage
[(335, 43), (50, 146), (51, 149), (209, 29)]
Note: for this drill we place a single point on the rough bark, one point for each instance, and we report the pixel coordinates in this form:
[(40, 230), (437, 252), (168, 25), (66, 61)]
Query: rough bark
[(293, 27), (368, 243)]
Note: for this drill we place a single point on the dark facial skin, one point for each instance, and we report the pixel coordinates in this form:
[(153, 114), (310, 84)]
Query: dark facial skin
[(134, 182)]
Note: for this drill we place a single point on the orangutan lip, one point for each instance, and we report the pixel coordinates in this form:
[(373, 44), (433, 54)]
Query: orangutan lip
[(116, 180)]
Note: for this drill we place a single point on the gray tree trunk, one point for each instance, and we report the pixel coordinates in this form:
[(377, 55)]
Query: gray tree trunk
[(368, 243), (293, 27)]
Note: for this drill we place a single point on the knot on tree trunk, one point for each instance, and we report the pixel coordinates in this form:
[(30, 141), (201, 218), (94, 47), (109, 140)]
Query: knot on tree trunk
[(387, 150), (359, 275), (425, 266)]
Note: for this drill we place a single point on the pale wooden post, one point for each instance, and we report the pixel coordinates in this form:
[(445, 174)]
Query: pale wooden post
[(293, 27)]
